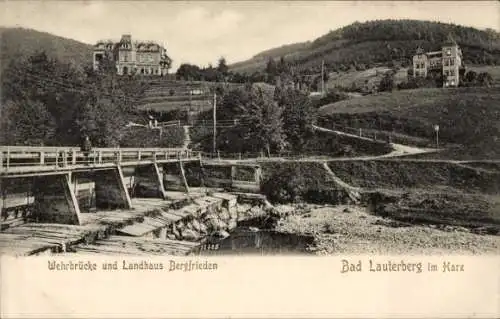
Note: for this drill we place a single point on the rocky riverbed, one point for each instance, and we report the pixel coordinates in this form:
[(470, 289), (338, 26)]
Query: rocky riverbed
[(349, 229), (324, 229)]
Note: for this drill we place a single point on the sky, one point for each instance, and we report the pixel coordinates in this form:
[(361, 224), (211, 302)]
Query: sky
[(200, 32)]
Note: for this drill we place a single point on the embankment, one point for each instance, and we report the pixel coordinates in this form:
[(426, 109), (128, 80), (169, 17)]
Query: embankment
[(285, 182), (470, 212), (442, 194), (405, 174)]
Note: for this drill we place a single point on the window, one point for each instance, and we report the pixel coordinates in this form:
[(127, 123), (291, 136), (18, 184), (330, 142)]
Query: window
[(452, 61), (452, 72)]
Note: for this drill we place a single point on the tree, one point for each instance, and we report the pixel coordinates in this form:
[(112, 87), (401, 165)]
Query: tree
[(222, 67), (299, 116), (271, 67), (165, 61), (283, 66), (233, 104), (26, 123), (470, 77), (387, 82), (188, 72), (263, 119), (51, 102), (484, 79)]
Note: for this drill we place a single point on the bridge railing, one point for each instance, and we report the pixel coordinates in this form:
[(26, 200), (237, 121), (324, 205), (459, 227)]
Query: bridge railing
[(61, 157)]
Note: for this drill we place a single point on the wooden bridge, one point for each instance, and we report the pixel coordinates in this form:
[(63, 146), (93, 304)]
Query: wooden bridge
[(49, 180), (31, 161)]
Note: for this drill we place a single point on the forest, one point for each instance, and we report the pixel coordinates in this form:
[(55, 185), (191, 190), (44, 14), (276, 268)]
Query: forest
[(48, 102), (363, 45)]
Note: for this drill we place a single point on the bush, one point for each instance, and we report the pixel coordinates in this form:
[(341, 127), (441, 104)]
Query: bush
[(387, 83)]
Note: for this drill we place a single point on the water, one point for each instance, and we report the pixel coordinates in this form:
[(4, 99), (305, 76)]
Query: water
[(250, 240)]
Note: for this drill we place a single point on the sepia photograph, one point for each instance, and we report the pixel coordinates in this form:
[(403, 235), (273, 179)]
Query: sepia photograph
[(205, 129)]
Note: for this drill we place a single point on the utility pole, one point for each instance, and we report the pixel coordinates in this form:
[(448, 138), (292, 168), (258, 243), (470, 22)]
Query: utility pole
[(215, 119)]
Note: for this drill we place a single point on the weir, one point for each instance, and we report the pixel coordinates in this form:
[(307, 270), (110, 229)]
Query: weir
[(63, 202)]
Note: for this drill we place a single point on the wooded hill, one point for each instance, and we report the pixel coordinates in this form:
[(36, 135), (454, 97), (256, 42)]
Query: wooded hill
[(20, 43), (363, 45)]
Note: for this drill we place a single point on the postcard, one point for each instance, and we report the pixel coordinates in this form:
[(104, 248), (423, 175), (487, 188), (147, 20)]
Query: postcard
[(249, 159)]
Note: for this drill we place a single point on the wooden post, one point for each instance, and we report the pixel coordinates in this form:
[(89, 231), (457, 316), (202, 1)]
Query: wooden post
[(257, 175), (42, 157), (218, 155), (99, 158), (73, 158), (181, 166), (139, 155), (233, 173), (75, 184), (8, 158), (65, 158)]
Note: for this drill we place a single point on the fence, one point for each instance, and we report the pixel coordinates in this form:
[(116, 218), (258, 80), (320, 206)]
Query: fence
[(383, 136), (263, 156), (361, 132)]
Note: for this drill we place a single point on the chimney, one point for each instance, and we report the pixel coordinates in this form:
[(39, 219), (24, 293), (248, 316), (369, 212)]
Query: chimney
[(126, 38)]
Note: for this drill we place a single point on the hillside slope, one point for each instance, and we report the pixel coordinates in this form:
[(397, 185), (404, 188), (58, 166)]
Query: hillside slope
[(468, 117), (379, 42), (16, 43)]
